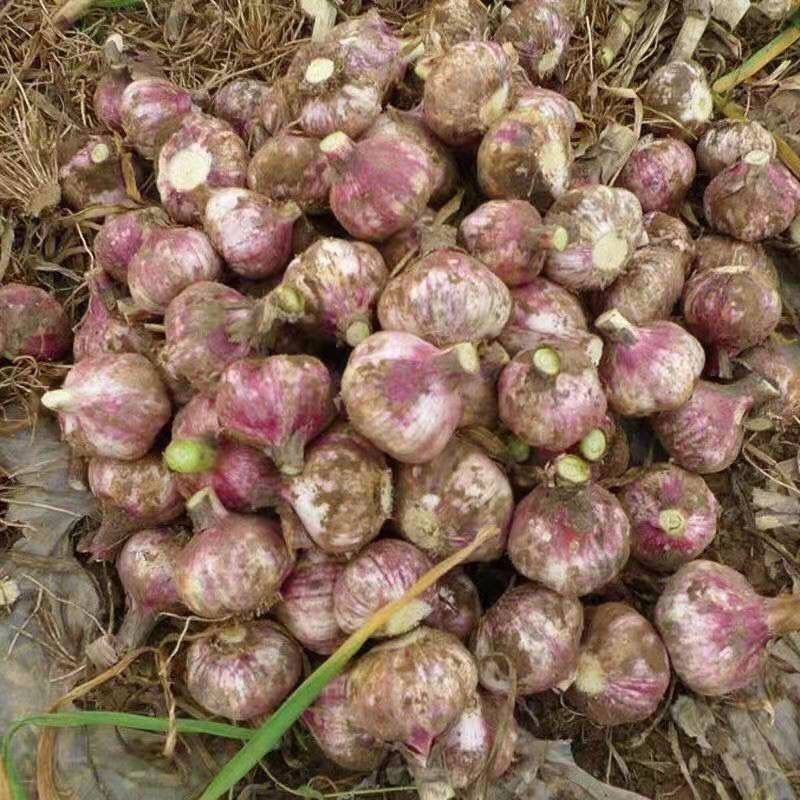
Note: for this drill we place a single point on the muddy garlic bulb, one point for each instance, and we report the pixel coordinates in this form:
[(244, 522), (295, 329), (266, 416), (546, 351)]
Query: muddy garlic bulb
[(705, 434), (673, 516), (448, 22), (731, 308), (340, 282), (539, 31), (90, 172), (169, 260), (344, 493), (545, 313), (329, 719), (446, 297), (151, 109), (623, 668), (533, 630), (466, 90), (409, 690), (779, 362), (234, 564), (239, 104), (111, 405), (120, 239), (551, 396), (403, 393), (32, 323), (480, 393), (380, 574), (295, 404), (572, 539), (291, 168), (647, 368), (458, 605), (306, 604), (443, 505), (716, 628), (660, 173), (678, 92), (243, 671), (525, 156), (604, 226), (204, 153), (107, 99), (253, 236), (379, 185), (754, 199), (133, 495), (729, 141)]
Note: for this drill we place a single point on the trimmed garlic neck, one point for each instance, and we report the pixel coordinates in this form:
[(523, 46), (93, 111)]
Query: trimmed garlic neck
[(338, 147), (232, 635), (206, 509), (757, 158), (783, 613), (546, 361), (591, 677), (672, 522), (319, 70), (190, 456), (356, 332), (60, 400), (594, 445), (460, 359), (616, 327), (548, 237), (572, 471), (517, 450)]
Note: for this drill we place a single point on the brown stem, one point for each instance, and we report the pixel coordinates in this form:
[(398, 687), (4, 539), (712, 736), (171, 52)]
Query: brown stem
[(460, 359), (698, 15), (205, 509), (783, 613), (616, 327), (135, 628), (548, 237), (621, 27)]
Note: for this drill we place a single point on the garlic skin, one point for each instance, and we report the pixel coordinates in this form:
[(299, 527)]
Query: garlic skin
[(712, 251), (458, 605), (234, 564), (731, 308), (328, 719), (525, 156), (90, 172), (379, 185), (728, 141), (238, 102), (340, 282), (660, 173), (107, 99), (779, 362), (573, 540), (295, 403), (716, 627), (243, 671), (291, 168), (151, 109), (380, 574), (538, 631), (253, 236), (32, 323), (673, 516), (402, 393), (647, 368), (466, 90), (604, 227), (401, 246), (449, 22), (446, 297), (111, 405), (679, 91), (204, 153), (344, 493), (120, 238), (480, 393), (274, 113), (170, 260), (409, 690), (705, 434), (546, 313), (442, 505), (623, 668), (754, 199), (306, 604), (551, 396)]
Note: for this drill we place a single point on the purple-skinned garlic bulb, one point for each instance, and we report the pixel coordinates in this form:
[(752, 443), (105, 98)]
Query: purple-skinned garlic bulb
[(243, 671), (722, 145), (409, 690), (32, 323), (678, 92), (107, 99), (446, 297), (572, 539), (295, 403), (380, 574), (716, 628), (441, 506), (403, 394), (458, 605), (647, 368), (509, 238), (778, 361), (121, 237), (604, 226), (673, 516), (111, 405), (535, 631), (234, 564), (705, 434), (623, 668), (551, 396), (238, 102), (379, 185), (90, 171), (659, 172)]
